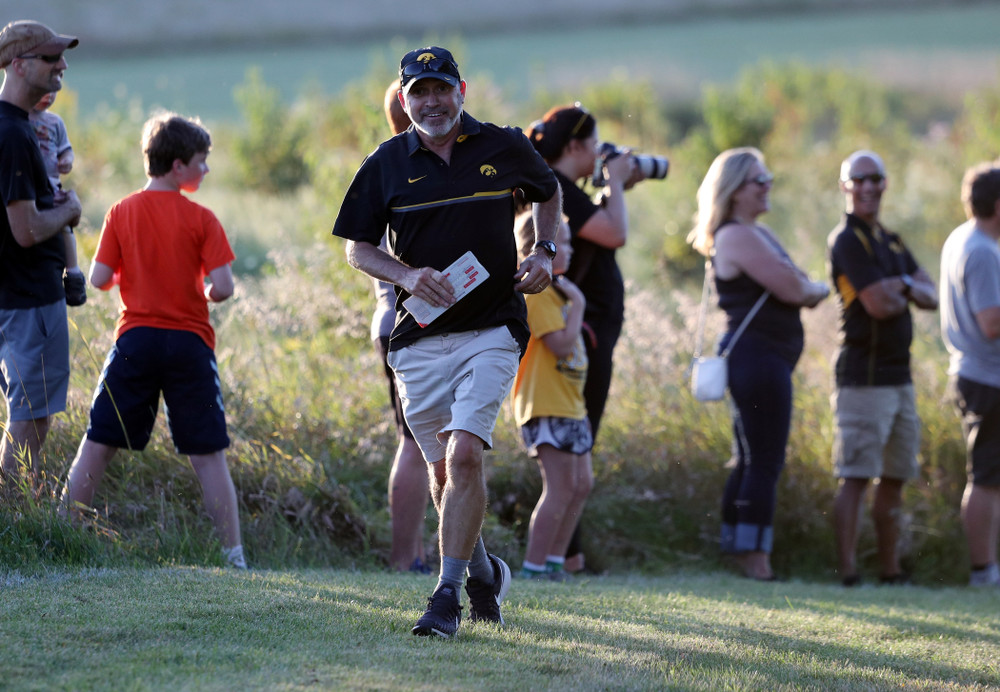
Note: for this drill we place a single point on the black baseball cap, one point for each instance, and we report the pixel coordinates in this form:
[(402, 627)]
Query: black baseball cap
[(433, 62)]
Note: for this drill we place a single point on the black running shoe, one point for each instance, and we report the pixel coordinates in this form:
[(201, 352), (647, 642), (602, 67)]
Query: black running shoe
[(76, 288), (442, 616), (485, 599)]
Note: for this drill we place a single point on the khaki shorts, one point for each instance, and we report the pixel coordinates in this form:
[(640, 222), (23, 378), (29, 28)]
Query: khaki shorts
[(454, 381), (877, 432)]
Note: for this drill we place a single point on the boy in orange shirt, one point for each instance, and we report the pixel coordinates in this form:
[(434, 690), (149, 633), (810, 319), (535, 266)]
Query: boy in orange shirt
[(158, 246)]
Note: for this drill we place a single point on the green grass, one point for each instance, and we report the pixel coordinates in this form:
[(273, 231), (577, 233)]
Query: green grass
[(211, 629)]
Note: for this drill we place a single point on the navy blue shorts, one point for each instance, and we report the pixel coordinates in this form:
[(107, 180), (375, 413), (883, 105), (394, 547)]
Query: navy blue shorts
[(144, 362)]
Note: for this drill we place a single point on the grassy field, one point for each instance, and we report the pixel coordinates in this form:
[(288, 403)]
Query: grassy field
[(207, 629)]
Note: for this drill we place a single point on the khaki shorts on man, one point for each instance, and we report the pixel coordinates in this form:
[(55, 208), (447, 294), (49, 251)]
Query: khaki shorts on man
[(454, 382), (877, 432)]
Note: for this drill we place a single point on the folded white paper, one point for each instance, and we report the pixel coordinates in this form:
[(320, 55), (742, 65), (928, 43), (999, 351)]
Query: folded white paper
[(465, 274)]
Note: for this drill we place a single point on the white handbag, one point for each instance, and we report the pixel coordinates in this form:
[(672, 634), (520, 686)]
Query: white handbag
[(710, 374)]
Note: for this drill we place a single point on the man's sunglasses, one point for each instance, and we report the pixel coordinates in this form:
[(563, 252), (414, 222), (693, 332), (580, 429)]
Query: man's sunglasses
[(876, 178), (417, 68), (50, 59)]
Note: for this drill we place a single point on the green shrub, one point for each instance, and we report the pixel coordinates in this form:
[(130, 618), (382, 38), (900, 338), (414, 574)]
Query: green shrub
[(269, 153)]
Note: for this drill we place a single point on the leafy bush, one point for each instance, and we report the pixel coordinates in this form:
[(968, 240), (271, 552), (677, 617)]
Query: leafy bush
[(269, 154)]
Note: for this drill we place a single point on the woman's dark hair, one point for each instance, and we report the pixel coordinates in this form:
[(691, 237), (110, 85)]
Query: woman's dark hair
[(551, 134)]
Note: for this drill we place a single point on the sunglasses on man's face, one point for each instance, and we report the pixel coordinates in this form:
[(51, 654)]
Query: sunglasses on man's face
[(50, 59), (875, 178)]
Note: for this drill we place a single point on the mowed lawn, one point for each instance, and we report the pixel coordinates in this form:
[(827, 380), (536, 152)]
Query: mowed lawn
[(181, 628)]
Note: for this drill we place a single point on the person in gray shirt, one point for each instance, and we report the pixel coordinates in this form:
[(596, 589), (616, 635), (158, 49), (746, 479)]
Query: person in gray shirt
[(970, 326)]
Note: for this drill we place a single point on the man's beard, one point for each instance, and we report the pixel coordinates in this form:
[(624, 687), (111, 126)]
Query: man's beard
[(440, 128)]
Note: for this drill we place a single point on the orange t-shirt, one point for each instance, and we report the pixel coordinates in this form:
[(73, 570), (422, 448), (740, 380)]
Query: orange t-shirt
[(163, 245)]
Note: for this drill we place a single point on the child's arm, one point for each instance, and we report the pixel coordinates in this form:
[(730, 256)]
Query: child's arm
[(102, 276), (65, 161), (222, 286), (562, 342)]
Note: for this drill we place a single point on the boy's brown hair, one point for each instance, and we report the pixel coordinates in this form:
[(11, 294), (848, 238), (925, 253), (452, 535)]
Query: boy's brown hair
[(167, 137), (981, 190)]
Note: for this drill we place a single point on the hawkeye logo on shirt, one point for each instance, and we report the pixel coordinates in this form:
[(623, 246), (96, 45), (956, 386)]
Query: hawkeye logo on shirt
[(488, 170)]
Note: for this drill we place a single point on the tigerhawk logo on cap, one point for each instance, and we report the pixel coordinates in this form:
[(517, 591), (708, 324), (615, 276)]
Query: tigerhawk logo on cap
[(425, 57)]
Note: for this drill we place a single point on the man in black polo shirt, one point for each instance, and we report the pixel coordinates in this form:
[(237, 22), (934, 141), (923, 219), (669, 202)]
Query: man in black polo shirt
[(444, 188), (877, 427), (34, 338)]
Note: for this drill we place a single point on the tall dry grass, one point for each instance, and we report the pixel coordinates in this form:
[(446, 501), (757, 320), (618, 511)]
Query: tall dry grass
[(312, 432)]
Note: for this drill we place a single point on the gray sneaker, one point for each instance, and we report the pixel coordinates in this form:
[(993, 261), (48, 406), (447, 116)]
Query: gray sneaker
[(985, 577), (443, 614), (485, 599)]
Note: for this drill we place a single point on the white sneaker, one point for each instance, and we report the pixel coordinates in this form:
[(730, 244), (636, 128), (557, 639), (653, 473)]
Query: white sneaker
[(234, 557), (990, 576)]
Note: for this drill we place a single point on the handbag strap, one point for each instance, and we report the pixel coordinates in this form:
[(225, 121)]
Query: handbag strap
[(746, 320), (704, 308), (701, 312)]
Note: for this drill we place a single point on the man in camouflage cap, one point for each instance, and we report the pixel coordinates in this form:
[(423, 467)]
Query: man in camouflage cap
[(34, 337)]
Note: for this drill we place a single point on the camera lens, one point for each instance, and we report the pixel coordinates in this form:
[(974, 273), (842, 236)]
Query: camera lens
[(655, 167)]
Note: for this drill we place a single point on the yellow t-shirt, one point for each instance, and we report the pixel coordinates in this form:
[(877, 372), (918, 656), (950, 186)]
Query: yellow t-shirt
[(547, 386)]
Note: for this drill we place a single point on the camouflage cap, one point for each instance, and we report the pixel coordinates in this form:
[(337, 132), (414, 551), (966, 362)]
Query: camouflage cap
[(25, 36)]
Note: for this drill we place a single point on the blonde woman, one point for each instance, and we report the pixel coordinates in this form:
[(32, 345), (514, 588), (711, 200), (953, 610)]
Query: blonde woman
[(747, 261)]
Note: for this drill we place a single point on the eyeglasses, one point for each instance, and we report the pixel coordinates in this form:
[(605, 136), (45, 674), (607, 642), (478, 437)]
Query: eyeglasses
[(876, 178), (50, 59), (417, 68), (762, 179)]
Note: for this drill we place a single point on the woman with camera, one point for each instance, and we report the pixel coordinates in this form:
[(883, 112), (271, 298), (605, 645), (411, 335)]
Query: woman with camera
[(567, 139), (750, 267)]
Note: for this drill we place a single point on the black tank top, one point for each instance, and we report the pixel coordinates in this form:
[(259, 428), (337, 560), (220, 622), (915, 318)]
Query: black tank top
[(777, 322)]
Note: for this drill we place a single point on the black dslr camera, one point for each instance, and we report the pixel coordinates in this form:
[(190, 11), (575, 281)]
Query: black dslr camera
[(655, 167)]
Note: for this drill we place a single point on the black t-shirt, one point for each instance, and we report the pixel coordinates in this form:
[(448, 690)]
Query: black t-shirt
[(437, 211), (29, 277), (592, 268), (872, 352)]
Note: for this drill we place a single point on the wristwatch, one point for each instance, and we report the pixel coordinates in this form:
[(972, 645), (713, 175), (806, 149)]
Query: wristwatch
[(907, 284), (548, 247)]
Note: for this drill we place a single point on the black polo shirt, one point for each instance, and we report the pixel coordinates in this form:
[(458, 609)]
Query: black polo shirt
[(29, 277), (872, 352), (436, 212)]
